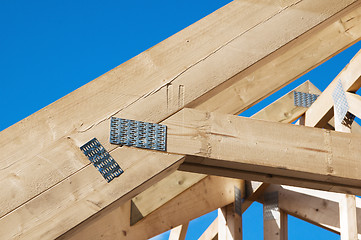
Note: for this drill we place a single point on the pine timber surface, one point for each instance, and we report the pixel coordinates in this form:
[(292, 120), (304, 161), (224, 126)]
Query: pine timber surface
[(195, 201), (282, 110), (265, 151), (322, 110), (317, 207), (211, 232), (59, 129)]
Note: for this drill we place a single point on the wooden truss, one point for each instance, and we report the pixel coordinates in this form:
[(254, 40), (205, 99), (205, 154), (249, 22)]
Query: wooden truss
[(196, 82)]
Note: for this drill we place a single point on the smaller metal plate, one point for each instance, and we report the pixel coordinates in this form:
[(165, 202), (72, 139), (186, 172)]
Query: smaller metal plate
[(138, 134), (340, 102), (237, 201), (302, 99), (101, 159), (270, 206)]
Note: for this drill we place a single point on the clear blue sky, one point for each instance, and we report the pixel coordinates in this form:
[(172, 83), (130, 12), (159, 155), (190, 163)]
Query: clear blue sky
[(50, 48)]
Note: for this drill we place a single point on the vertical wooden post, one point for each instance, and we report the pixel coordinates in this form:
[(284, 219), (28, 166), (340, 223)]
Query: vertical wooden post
[(348, 218), (274, 220), (179, 233), (229, 223), (347, 205)]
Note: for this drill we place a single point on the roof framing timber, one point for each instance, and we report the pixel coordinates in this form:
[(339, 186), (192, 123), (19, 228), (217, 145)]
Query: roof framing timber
[(185, 69), (218, 144)]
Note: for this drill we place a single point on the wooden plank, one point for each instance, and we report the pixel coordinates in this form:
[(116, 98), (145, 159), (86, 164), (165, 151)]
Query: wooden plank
[(348, 218), (234, 223), (229, 223), (317, 207), (322, 110), (179, 233), (211, 232), (274, 220), (140, 80), (90, 193), (282, 110), (354, 102), (71, 123), (240, 144), (347, 204), (161, 192), (192, 203), (297, 59)]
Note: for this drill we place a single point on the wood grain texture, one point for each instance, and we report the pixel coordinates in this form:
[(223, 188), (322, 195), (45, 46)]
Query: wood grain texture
[(133, 83), (90, 193), (192, 203), (322, 110), (185, 63), (282, 110), (211, 232), (266, 148), (317, 207)]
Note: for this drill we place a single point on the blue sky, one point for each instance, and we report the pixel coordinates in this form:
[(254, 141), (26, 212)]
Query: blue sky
[(50, 48)]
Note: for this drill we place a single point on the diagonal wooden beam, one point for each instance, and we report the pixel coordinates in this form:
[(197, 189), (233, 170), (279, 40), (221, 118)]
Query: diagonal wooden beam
[(192, 203), (55, 133), (322, 110), (211, 232), (179, 232), (265, 151)]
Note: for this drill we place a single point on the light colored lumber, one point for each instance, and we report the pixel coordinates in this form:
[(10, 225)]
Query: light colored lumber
[(274, 222), (347, 204), (222, 224), (148, 78), (161, 192), (321, 110), (211, 232), (89, 194), (247, 146), (229, 223), (69, 119), (192, 203), (282, 110), (179, 233), (348, 219), (354, 102), (317, 207), (297, 58), (234, 223)]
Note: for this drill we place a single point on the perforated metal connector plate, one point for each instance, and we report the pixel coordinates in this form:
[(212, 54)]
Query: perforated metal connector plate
[(237, 201), (302, 99), (138, 134), (101, 159), (270, 206), (340, 102)]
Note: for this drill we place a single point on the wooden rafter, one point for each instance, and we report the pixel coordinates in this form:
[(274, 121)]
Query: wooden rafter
[(195, 202), (186, 69)]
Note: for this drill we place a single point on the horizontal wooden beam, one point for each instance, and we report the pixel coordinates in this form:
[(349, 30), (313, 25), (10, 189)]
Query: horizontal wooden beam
[(265, 151), (41, 156), (282, 110)]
